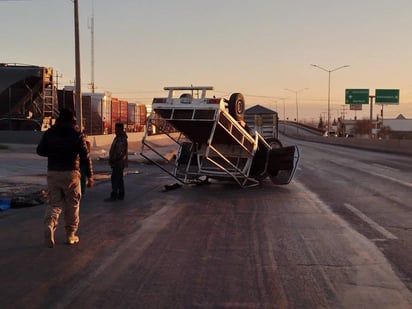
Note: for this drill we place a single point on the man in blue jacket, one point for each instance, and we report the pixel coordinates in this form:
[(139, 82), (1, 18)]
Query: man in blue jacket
[(65, 148)]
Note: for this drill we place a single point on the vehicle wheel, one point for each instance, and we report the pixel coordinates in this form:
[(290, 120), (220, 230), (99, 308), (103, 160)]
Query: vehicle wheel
[(237, 106), (274, 143)]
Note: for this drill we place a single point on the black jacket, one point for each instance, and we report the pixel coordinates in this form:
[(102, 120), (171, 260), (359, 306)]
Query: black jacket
[(65, 148), (118, 154)]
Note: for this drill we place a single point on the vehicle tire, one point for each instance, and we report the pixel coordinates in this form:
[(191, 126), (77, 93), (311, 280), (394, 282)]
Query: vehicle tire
[(237, 106), (274, 143)]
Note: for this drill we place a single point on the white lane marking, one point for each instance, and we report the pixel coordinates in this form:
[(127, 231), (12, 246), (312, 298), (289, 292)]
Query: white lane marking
[(385, 167), (371, 223), (404, 183)]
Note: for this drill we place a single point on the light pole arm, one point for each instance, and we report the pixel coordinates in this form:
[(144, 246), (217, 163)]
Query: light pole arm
[(341, 67), (329, 71), (316, 66)]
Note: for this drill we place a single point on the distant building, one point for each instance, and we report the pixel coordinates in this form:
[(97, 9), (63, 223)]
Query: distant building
[(399, 124), (399, 127)]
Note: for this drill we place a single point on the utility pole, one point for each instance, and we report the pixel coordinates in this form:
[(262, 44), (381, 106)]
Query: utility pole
[(91, 27), (78, 95), (57, 79)]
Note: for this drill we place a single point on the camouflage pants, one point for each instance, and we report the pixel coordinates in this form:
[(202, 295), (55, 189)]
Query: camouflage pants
[(64, 194)]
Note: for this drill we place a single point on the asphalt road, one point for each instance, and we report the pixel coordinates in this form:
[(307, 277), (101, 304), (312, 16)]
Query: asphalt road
[(338, 236)]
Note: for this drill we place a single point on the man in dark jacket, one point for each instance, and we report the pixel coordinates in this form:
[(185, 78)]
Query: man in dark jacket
[(65, 148), (118, 161)]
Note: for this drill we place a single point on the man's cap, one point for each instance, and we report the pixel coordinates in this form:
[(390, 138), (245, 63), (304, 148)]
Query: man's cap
[(119, 125), (66, 115)]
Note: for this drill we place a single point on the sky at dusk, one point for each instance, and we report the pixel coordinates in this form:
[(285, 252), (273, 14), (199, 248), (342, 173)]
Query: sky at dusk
[(256, 47)]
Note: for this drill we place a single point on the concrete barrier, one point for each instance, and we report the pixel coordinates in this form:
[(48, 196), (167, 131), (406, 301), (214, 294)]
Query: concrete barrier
[(33, 137), (20, 137), (103, 141), (402, 146)]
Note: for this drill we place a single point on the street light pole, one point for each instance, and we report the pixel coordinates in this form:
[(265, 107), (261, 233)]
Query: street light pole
[(297, 106), (329, 71), (284, 113)]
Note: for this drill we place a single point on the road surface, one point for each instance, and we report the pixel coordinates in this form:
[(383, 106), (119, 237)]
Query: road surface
[(338, 236)]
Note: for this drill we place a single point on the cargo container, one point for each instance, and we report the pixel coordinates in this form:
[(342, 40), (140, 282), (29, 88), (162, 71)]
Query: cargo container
[(98, 119), (96, 108), (123, 111), (29, 92), (136, 117), (115, 112)]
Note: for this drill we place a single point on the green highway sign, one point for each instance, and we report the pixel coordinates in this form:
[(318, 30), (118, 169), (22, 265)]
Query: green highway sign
[(357, 96), (387, 96)]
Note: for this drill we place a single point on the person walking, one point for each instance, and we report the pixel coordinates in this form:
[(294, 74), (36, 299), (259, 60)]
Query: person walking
[(65, 148), (118, 161)]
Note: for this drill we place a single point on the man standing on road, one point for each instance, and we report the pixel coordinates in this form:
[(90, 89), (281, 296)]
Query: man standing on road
[(83, 168), (118, 162), (65, 149)]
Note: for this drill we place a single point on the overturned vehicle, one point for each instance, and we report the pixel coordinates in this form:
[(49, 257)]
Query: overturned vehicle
[(214, 141)]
